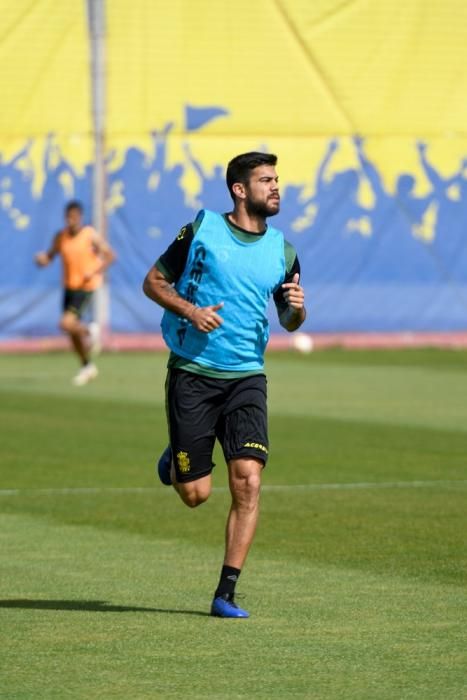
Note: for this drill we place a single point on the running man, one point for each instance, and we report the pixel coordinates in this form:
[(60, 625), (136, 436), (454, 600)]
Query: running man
[(85, 255), (214, 282)]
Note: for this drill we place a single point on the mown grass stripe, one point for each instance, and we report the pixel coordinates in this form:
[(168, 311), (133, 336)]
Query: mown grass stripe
[(223, 489)]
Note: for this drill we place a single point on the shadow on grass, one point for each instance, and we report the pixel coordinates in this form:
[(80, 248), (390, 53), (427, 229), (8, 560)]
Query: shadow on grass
[(101, 606)]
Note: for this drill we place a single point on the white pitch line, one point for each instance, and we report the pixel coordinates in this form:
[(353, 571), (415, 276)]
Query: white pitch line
[(365, 485), (223, 489)]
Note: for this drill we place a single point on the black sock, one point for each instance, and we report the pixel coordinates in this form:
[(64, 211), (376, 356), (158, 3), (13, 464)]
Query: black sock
[(227, 582)]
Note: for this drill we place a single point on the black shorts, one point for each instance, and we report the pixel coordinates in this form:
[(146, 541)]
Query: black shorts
[(76, 301), (200, 408)]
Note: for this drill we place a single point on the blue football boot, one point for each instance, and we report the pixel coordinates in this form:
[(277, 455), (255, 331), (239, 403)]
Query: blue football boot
[(224, 606), (164, 465)]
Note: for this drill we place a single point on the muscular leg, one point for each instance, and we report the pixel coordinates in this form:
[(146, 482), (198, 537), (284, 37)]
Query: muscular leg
[(192, 493), (78, 334), (245, 482)]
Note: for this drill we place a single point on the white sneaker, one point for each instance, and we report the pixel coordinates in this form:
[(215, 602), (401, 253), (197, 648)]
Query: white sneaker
[(95, 344), (85, 375)]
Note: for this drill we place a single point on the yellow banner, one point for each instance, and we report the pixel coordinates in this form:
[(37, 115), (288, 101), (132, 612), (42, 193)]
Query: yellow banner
[(289, 73)]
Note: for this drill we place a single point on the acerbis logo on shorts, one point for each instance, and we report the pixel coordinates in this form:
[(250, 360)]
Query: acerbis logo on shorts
[(256, 446), (183, 461)]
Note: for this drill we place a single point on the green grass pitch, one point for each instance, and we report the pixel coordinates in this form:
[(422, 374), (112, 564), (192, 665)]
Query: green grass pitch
[(356, 581)]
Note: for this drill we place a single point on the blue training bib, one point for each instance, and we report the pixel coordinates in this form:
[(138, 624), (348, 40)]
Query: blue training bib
[(221, 268)]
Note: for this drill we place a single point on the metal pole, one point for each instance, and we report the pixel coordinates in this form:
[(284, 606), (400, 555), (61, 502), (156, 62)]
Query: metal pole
[(96, 21)]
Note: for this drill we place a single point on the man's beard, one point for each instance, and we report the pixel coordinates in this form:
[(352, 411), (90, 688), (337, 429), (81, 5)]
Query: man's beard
[(262, 209)]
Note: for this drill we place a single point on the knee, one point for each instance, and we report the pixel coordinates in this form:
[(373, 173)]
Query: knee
[(193, 501), (68, 324), (193, 497), (253, 484), (245, 490)]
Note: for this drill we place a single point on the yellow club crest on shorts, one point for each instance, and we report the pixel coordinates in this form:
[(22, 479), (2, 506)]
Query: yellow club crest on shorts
[(183, 461)]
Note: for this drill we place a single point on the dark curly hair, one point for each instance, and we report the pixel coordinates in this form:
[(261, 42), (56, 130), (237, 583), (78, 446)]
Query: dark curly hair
[(240, 167)]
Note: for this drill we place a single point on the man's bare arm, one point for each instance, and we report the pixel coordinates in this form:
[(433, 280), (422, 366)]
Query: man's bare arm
[(105, 252), (44, 257), (160, 289)]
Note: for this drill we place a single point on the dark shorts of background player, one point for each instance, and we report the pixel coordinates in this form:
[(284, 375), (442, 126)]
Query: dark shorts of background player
[(76, 301), (201, 409)]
